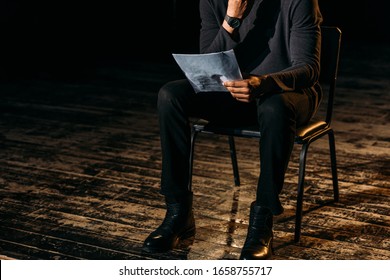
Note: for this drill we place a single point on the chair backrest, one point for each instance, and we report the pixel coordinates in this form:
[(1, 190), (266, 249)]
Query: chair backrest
[(330, 53)]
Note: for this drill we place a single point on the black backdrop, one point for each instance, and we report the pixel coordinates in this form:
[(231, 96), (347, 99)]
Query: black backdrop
[(45, 35)]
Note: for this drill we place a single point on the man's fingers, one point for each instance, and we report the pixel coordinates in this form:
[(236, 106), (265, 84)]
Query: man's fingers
[(236, 84), (239, 90)]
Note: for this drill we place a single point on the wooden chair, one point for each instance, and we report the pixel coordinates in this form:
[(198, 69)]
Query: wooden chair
[(316, 129)]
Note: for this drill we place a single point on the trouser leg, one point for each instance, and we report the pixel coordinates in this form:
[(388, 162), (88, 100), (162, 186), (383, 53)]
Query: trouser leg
[(278, 117), (177, 102), (173, 104)]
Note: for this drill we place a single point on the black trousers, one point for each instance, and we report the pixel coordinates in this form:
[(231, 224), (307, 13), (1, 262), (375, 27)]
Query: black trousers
[(277, 115)]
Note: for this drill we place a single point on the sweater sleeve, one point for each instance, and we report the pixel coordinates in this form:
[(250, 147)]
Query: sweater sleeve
[(213, 37), (305, 47)]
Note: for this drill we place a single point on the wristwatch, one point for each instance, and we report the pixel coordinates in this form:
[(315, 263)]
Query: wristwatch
[(233, 21)]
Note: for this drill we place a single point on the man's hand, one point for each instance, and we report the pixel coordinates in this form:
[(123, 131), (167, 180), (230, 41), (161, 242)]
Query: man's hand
[(248, 89), (237, 8)]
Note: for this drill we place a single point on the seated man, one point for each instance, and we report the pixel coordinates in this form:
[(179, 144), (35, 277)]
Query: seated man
[(277, 45)]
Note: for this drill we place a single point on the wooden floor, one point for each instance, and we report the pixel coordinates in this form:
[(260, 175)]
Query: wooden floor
[(80, 169)]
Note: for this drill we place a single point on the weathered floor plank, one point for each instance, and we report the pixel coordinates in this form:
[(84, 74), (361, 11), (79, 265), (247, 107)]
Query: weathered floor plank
[(80, 168)]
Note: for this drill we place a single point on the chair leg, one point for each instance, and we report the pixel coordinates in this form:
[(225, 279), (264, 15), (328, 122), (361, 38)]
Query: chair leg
[(301, 182), (194, 133), (233, 156), (332, 148)]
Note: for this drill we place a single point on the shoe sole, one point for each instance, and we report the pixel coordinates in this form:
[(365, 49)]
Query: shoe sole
[(185, 235), (266, 257)]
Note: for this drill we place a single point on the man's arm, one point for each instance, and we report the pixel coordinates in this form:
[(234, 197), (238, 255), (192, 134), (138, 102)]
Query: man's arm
[(215, 34)]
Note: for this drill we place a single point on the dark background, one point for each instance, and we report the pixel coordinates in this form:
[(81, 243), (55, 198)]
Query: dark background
[(68, 36)]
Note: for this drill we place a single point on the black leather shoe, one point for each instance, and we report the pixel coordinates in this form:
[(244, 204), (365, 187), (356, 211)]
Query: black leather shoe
[(178, 224), (258, 243)]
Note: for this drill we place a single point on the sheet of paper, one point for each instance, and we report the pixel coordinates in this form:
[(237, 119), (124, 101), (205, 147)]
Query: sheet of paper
[(207, 72)]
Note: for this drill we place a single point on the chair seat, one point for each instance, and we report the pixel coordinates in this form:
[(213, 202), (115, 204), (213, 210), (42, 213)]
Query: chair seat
[(311, 130), (251, 131)]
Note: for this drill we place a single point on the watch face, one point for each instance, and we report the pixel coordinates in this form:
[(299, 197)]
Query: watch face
[(234, 22)]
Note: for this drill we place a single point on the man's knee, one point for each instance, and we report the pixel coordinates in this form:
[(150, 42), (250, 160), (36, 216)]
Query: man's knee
[(274, 109), (165, 94), (170, 94)]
